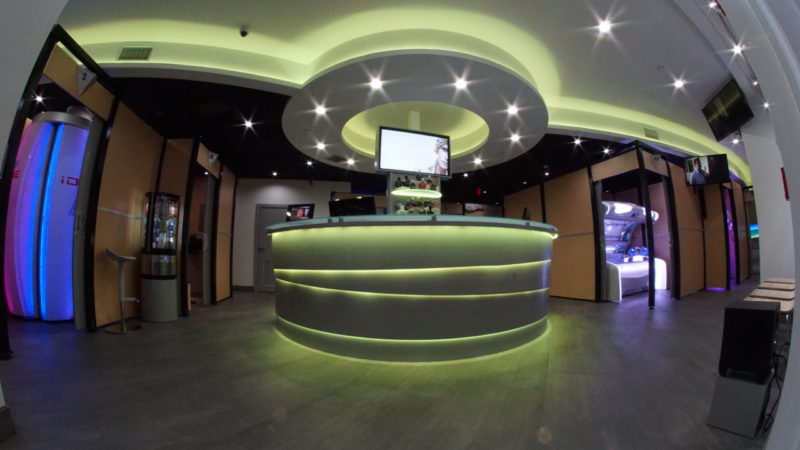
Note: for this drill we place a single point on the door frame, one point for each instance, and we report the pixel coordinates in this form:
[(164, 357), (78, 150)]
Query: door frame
[(256, 275)]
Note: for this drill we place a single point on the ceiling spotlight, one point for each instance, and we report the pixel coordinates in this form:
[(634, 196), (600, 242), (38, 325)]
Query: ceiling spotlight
[(309, 163), (712, 4), (461, 84), (766, 105), (547, 174), (477, 161), (248, 124), (515, 137), (375, 83), (512, 110), (320, 110), (606, 150), (736, 141), (524, 182), (39, 99), (205, 173), (351, 161), (466, 174), (604, 27), (679, 83), (320, 146), (755, 82), (578, 141), (737, 49), (274, 174)]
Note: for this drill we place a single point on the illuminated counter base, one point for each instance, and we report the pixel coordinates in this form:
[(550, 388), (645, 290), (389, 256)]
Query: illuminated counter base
[(412, 288)]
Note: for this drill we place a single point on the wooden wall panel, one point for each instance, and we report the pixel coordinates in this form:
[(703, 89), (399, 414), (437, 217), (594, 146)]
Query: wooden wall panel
[(129, 173), (690, 233), (615, 166), (225, 199), (213, 167), (742, 233), (569, 208), (530, 198), (572, 268), (714, 232), (662, 247), (655, 163), (62, 70)]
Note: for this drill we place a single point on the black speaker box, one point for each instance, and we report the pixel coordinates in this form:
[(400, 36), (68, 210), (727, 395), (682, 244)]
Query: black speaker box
[(748, 339)]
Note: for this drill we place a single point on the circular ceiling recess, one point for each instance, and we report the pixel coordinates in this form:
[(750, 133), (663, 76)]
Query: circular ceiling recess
[(467, 130), (489, 113)]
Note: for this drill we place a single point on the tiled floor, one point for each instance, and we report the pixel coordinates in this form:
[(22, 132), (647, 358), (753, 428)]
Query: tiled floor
[(616, 376)]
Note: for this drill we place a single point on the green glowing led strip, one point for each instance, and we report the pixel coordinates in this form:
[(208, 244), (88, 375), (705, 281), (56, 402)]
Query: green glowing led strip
[(497, 267), (414, 296), (420, 193), (463, 339)]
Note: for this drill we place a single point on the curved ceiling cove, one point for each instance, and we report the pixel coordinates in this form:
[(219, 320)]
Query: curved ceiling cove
[(615, 86), (334, 118)]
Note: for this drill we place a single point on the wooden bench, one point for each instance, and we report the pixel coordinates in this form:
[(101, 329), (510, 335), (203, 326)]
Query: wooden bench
[(787, 307), (773, 294), (777, 286), (780, 280)]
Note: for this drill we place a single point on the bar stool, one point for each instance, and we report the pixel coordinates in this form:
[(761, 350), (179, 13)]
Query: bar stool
[(122, 328)]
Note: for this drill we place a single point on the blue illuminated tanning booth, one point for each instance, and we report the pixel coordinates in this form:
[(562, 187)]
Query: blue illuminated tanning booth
[(38, 272)]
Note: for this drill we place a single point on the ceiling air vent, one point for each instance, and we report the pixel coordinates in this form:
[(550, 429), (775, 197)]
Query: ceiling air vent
[(134, 54), (336, 159), (651, 133)]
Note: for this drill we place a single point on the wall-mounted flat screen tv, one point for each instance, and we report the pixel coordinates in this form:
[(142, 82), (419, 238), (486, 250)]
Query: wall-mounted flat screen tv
[(701, 170), (299, 212), (727, 111), (413, 152), (352, 207)]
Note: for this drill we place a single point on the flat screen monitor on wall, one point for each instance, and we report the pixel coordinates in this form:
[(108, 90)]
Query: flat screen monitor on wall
[(299, 212), (413, 152), (727, 111), (701, 170)]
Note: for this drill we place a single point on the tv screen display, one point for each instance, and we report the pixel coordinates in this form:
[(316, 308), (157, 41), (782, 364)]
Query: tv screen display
[(727, 111), (299, 212), (754, 231), (413, 152), (712, 169), (352, 207)]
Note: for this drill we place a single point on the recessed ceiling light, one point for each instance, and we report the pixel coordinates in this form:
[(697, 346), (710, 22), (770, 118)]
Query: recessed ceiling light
[(735, 141), (320, 146), (578, 141), (461, 84), (39, 99), (524, 182), (712, 4), (466, 174), (547, 174), (766, 105), (248, 124), (737, 49), (376, 83), (512, 110), (308, 163), (515, 137), (755, 82), (604, 27), (274, 174), (205, 173), (351, 161), (320, 110), (477, 161), (606, 150), (679, 83)]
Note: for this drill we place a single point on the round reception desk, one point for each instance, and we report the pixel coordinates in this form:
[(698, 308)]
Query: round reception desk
[(412, 288)]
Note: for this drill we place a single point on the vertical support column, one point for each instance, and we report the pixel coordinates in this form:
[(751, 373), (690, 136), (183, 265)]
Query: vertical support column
[(644, 188)]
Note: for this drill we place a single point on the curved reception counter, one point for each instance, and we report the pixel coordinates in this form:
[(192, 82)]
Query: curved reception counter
[(412, 288)]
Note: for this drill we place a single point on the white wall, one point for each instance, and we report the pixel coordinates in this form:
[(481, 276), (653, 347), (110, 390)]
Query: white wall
[(771, 51), (251, 192), (24, 26), (774, 212)]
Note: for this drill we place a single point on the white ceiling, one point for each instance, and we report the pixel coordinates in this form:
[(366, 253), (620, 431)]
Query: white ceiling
[(652, 43)]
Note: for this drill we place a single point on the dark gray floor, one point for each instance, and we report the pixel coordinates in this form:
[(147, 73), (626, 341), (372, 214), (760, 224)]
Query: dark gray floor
[(615, 376)]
